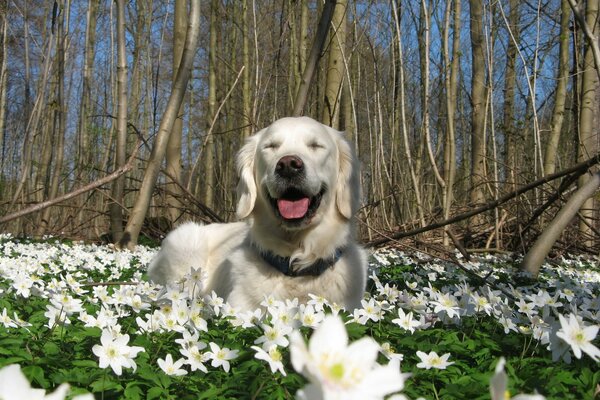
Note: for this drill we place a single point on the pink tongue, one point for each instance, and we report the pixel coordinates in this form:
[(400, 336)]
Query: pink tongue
[(293, 209)]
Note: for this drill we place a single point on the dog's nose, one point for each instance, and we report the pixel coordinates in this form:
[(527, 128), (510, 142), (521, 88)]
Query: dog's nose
[(289, 166)]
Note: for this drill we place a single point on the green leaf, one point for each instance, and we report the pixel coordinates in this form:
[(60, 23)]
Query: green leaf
[(156, 393), (35, 374)]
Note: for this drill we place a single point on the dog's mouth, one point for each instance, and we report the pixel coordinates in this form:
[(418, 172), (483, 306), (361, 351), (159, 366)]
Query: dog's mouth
[(294, 205)]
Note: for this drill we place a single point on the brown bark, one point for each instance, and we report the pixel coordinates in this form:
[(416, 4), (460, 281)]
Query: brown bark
[(134, 224)]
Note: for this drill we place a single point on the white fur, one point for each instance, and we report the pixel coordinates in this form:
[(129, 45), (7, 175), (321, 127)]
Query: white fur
[(228, 252)]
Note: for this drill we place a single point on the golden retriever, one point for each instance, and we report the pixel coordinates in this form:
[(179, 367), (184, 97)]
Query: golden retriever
[(298, 191)]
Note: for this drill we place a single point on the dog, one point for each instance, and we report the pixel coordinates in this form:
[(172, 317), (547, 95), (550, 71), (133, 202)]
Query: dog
[(298, 192)]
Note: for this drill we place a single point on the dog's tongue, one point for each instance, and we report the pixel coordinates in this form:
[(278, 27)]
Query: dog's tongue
[(293, 209)]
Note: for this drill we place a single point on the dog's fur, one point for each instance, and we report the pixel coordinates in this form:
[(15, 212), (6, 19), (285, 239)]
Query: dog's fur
[(230, 253)]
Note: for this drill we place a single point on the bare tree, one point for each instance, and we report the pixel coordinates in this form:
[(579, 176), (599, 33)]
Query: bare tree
[(561, 90), (451, 86), (84, 151), (59, 113), (313, 57), (510, 77), (173, 166), (3, 79), (134, 224), (478, 111), (588, 119), (335, 67), (118, 187)]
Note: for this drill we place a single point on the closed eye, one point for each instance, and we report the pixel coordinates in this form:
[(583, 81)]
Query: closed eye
[(272, 145), (314, 145)]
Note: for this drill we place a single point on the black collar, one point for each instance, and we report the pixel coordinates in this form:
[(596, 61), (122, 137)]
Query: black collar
[(284, 264)]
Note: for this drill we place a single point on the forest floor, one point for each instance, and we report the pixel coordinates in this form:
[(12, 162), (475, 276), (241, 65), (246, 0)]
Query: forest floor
[(85, 315)]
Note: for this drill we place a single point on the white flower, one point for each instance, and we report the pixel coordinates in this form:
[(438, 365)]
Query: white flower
[(445, 302), (171, 368), (273, 357), (220, 357), (274, 336), (338, 370), (309, 317), (115, 352), (406, 321), (14, 385), (215, 302), (432, 360), (246, 319), (499, 382), (194, 358), (371, 311), (188, 340), (6, 320), (579, 336)]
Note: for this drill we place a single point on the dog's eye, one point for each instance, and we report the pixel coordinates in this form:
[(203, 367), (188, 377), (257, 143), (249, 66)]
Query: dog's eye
[(271, 145), (315, 145)]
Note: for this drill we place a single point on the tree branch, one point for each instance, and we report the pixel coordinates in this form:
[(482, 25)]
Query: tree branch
[(578, 169), (91, 186)]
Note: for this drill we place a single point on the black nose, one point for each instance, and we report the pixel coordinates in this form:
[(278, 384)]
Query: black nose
[(289, 166)]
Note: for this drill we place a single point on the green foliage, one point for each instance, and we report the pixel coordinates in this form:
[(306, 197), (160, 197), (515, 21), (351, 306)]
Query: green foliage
[(51, 355)]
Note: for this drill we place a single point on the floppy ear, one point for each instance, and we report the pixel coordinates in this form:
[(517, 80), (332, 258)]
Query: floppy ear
[(246, 188), (347, 191)]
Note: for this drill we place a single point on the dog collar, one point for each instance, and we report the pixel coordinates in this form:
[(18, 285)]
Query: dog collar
[(283, 264)]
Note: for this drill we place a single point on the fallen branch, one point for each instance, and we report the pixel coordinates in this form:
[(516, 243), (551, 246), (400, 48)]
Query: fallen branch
[(91, 186), (577, 170), (535, 256)]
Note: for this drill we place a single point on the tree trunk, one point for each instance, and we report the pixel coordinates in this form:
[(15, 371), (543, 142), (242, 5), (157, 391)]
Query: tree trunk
[(313, 57), (451, 81), (84, 161), (588, 121), (510, 131), (59, 115), (335, 68), (173, 167), (478, 94), (558, 113), (208, 152), (134, 224), (118, 187), (248, 118), (3, 80)]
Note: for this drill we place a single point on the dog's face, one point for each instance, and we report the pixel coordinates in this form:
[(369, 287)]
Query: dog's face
[(296, 170)]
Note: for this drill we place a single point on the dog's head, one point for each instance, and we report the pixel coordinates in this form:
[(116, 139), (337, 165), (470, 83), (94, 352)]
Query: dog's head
[(297, 170)]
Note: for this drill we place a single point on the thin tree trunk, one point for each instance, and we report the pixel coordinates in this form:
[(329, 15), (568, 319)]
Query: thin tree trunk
[(588, 120), (313, 57), (59, 114), (134, 224), (451, 82), (248, 118), (118, 187), (558, 113), (173, 166), (84, 149), (510, 131), (208, 152), (478, 96), (335, 68), (3, 80), (403, 124)]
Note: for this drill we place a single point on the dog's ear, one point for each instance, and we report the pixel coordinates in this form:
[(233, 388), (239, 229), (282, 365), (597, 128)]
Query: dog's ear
[(347, 191), (246, 188)]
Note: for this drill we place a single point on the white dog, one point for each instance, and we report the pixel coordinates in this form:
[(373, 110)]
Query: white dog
[(298, 192)]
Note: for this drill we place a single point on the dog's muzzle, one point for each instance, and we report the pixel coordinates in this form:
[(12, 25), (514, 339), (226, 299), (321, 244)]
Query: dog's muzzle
[(294, 203)]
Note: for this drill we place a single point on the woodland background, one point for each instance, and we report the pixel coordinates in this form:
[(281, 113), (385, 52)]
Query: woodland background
[(453, 107)]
